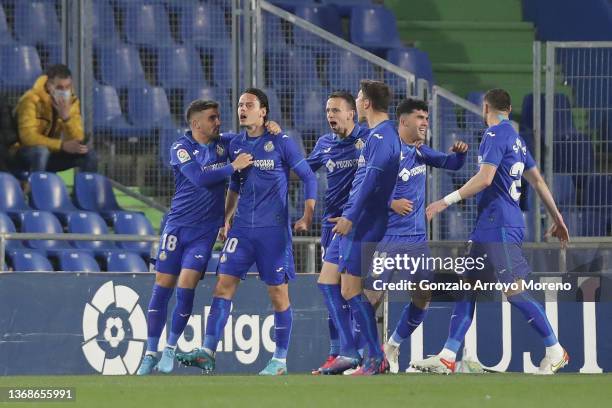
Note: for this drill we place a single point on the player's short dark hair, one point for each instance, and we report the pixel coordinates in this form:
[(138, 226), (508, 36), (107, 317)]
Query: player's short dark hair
[(378, 93), (410, 105), (348, 98), (199, 105), (262, 98), (498, 99), (58, 71)]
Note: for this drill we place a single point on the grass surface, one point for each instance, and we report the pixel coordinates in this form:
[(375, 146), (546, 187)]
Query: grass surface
[(414, 390)]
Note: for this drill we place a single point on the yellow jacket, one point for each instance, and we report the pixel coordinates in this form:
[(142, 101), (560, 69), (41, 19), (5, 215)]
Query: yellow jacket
[(39, 125)]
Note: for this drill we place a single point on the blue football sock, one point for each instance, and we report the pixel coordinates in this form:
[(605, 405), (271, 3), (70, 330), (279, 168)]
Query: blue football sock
[(412, 316), (340, 313), (283, 321), (460, 322), (156, 315), (360, 339), (535, 315), (217, 317), (365, 316), (334, 338), (180, 314)]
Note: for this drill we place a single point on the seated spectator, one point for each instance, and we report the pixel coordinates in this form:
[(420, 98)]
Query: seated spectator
[(50, 127)]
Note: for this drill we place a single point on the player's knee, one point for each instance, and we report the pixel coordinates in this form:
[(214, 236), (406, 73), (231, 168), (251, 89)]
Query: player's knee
[(165, 280), (374, 297), (348, 292), (279, 296), (225, 288)]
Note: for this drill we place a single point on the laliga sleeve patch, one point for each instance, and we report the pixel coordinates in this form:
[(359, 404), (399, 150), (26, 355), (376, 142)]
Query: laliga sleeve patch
[(182, 155)]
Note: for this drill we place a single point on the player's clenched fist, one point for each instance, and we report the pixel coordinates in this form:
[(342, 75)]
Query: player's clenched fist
[(243, 161), (459, 147)]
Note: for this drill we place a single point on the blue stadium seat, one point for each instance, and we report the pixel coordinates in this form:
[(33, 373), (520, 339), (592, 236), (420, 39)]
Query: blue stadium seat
[(133, 224), (108, 116), (120, 66), (147, 25), (179, 68), (46, 223), (78, 262), (6, 225), (29, 261), (374, 28), (562, 121), (348, 69), (309, 111), (346, 6), (148, 108), (573, 153), (36, 22), (104, 28), (412, 60), (12, 199), (289, 68), (49, 194), (220, 95), (203, 25), (292, 5), (85, 222), (125, 262), (564, 190), (325, 17), (94, 192), (19, 67), (5, 34)]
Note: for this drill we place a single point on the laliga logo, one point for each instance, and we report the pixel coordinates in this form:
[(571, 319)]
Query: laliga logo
[(116, 358)]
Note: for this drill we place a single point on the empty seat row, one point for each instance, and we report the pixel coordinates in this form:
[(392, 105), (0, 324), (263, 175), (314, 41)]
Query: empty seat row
[(81, 222), (75, 261)]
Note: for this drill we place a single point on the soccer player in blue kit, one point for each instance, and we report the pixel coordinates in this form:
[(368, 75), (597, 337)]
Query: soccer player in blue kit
[(499, 232), (406, 232), (200, 163), (363, 224), (337, 152), (260, 232)]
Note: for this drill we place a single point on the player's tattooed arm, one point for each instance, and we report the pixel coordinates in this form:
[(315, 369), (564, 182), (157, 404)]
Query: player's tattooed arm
[(558, 229)]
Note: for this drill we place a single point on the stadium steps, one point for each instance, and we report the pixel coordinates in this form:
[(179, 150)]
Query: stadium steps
[(472, 44), (124, 200)]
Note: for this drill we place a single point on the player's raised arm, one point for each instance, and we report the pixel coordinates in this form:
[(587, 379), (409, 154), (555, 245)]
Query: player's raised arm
[(453, 161), (558, 229)]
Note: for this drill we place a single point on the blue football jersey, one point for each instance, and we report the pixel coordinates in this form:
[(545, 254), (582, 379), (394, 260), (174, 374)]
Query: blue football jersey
[(339, 157), (374, 179), (498, 204), (263, 187), (411, 180), (194, 205)]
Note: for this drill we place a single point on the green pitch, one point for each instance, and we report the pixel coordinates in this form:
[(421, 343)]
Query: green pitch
[(407, 390)]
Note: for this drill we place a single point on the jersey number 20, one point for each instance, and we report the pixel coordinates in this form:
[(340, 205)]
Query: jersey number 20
[(516, 171)]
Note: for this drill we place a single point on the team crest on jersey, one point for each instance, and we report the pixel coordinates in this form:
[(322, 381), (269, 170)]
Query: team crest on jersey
[(182, 155), (162, 256), (223, 258), (359, 144), (269, 147), (220, 150)]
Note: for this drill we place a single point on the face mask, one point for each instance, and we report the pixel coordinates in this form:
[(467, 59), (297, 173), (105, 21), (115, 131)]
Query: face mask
[(59, 94)]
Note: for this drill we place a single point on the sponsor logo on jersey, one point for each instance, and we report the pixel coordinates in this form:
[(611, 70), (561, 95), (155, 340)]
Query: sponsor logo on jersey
[(182, 155), (264, 164), (405, 174), (214, 166), (269, 147), (341, 164)]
